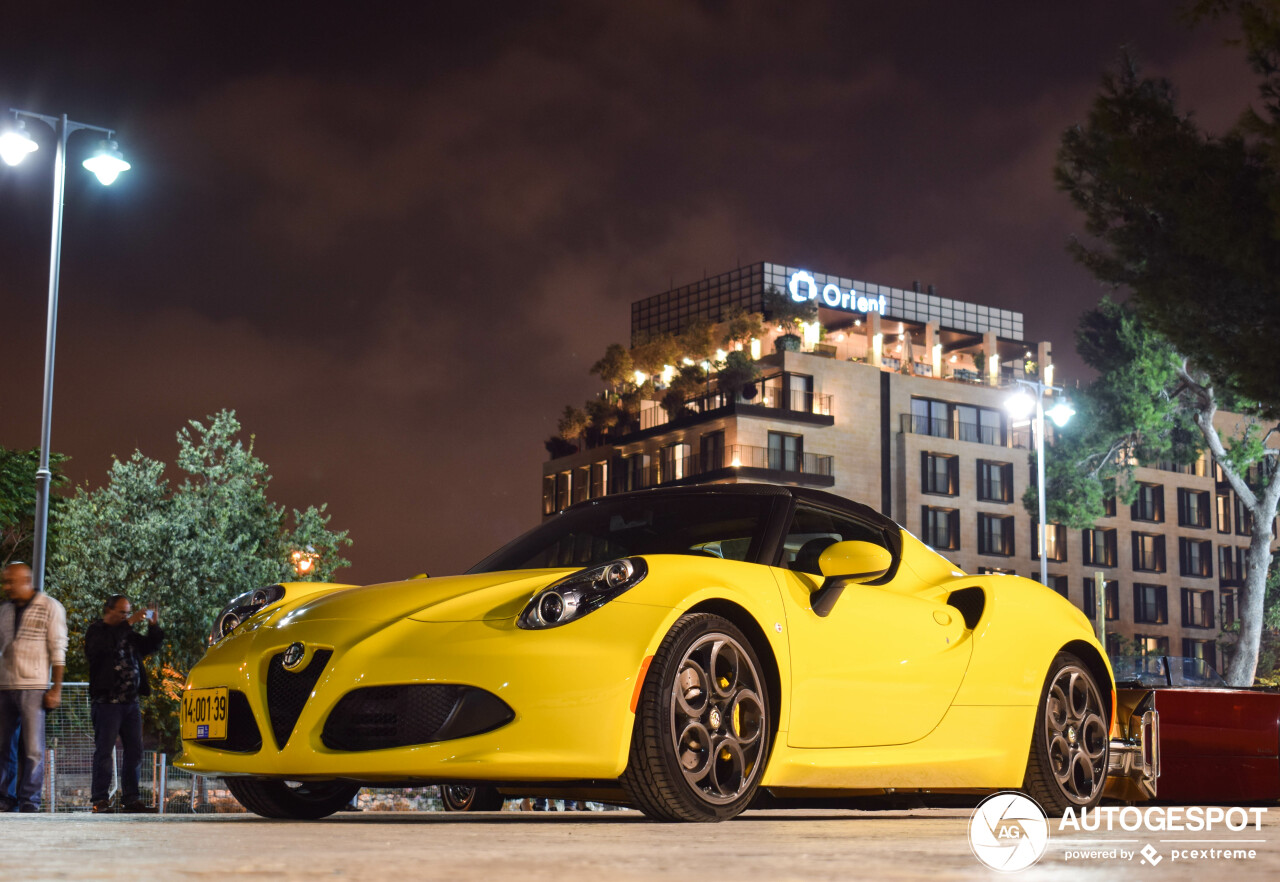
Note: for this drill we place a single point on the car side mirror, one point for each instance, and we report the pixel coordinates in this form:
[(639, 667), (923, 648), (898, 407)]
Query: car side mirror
[(854, 562), (847, 563)]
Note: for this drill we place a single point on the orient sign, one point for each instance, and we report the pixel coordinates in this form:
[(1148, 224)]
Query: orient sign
[(804, 287)]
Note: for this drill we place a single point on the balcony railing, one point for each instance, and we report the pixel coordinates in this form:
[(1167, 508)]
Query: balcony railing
[(797, 402), (774, 459), (733, 457), (914, 424)]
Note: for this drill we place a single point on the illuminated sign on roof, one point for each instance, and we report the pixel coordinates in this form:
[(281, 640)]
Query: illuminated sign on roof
[(804, 287)]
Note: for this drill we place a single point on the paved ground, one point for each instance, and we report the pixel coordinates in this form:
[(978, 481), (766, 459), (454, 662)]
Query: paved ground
[(615, 847)]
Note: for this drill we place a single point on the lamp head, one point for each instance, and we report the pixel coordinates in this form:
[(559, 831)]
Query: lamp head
[(1060, 413), (1020, 404), (107, 162), (16, 143)]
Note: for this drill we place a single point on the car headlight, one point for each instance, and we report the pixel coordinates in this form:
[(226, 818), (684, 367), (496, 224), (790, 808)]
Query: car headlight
[(243, 607), (576, 595)]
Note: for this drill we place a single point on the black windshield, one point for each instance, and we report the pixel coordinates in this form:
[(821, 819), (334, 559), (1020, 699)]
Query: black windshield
[(729, 526)]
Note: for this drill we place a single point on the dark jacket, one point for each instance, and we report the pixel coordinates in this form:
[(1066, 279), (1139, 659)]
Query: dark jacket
[(101, 647)]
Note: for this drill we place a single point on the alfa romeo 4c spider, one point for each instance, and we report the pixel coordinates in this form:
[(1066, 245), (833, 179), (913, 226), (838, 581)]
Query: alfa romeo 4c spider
[(684, 651)]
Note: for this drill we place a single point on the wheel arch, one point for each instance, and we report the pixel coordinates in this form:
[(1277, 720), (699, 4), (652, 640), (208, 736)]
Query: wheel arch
[(1097, 665)]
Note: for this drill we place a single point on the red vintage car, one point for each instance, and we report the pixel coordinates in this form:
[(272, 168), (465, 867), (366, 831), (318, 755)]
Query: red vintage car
[(1189, 738)]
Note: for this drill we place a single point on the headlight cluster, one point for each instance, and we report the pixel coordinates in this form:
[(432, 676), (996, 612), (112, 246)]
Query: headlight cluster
[(576, 595), (241, 608)]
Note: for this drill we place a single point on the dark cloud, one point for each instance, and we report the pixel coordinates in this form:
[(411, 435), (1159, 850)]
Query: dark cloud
[(394, 239)]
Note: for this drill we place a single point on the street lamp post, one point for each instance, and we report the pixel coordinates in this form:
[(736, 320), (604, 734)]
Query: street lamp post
[(106, 164), (1020, 405)]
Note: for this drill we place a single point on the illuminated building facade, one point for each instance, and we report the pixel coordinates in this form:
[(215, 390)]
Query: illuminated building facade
[(897, 400)]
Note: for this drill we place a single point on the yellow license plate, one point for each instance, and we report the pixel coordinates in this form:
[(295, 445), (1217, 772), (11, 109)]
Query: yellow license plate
[(204, 714)]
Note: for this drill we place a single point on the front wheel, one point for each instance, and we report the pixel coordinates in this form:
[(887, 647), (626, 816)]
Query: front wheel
[(1070, 746), (295, 800), (701, 737), (461, 798)]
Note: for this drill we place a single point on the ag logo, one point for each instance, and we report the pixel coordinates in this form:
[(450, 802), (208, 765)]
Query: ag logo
[(1008, 832), (293, 656)]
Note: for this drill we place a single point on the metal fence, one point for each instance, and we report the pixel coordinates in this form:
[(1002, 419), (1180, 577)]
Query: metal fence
[(69, 763)]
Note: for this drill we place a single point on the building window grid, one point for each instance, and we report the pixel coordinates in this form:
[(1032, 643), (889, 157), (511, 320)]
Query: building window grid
[(1193, 508), (941, 474), (1110, 599), (995, 534), (941, 527), (1195, 557), (1100, 547), (1197, 608), (1243, 517), (1055, 540), (1148, 505), (1201, 649), (1151, 644), (1224, 512), (1148, 552), (1150, 604), (995, 481)]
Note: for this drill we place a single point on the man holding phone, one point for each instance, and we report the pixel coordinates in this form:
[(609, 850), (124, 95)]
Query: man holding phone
[(117, 679)]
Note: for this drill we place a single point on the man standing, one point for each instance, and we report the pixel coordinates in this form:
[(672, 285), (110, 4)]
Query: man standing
[(117, 679), (33, 645)]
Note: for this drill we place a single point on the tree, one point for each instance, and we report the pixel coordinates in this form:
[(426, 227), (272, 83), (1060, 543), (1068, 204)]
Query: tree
[(689, 381), (742, 326), (603, 414), (190, 549), (650, 355), (787, 313), (1146, 406), (1186, 222), (1129, 415), (18, 500), (698, 340), (739, 370), (574, 423), (615, 368)]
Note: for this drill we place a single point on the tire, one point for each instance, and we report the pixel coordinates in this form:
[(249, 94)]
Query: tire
[(295, 800), (462, 798), (1070, 745), (702, 729)]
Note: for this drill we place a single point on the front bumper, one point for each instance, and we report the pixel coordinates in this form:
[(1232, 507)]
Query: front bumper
[(569, 692)]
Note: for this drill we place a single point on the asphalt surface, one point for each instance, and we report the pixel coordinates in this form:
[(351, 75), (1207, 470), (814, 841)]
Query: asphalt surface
[(565, 846)]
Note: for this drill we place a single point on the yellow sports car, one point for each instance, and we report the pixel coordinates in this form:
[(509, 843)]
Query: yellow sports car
[(683, 651)]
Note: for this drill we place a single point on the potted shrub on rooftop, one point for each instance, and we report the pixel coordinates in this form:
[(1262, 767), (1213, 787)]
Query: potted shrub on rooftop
[(738, 376), (788, 314)]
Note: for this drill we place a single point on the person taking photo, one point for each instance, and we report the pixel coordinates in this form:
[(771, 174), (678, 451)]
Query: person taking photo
[(117, 679)]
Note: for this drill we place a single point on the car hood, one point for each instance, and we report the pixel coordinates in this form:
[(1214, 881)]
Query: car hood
[(469, 598)]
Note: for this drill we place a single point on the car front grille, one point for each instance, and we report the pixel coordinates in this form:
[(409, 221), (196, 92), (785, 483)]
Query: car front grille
[(380, 717), (288, 691)]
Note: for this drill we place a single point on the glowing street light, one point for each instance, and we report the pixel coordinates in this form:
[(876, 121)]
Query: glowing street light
[(16, 144), (107, 162), (304, 562), (1029, 397), (1060, 413)]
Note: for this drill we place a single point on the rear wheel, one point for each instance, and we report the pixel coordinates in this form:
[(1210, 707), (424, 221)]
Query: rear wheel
[(1070, 746), (462, 798), (297, 800), (701, 736)]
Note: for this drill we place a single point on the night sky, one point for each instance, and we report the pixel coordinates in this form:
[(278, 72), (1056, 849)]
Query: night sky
[(395, 236)]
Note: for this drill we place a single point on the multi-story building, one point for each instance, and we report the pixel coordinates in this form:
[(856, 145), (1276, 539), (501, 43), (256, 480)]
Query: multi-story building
[(897, 400)]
